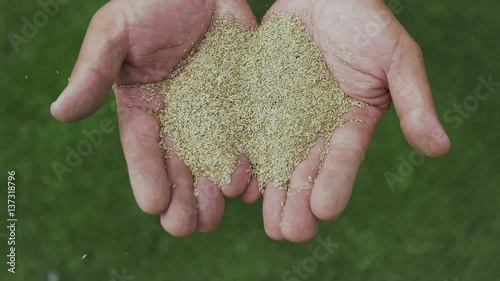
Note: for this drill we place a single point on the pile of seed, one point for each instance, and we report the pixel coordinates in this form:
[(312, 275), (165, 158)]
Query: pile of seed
[(266, 93)]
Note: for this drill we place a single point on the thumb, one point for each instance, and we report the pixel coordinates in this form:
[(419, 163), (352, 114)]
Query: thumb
[(101, 56), (413, 101)]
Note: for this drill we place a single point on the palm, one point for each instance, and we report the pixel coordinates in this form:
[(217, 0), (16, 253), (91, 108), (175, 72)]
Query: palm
[(357, 58), (160, 34), (374, 60), (356, 42)]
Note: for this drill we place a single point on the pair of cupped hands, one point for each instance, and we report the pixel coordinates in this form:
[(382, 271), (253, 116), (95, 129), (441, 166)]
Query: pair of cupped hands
[(369, 52)]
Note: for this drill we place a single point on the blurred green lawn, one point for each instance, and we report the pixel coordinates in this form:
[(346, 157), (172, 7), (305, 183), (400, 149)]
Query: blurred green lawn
[(441, 223)]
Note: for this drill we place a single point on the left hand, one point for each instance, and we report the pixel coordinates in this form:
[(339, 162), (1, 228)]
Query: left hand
[(374, 60)]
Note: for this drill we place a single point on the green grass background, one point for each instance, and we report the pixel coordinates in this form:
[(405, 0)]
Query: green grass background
[(442, 223)]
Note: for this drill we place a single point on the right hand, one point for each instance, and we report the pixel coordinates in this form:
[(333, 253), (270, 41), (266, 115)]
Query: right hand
[(131, 42)]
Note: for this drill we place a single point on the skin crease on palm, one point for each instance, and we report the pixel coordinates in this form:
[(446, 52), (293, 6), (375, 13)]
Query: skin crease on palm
[(142, 41)]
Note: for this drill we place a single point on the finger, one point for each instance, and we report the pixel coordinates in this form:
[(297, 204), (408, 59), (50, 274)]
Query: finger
[(348, 147), (103, 50), (272, 210), (181, 217), (299, 223), (252, 193), (240, 178), (140, 137), (413, 101), (240, 9), (210, 205)]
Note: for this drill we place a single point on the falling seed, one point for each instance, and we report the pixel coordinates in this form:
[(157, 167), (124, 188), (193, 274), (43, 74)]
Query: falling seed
[(84, 256), (25, 76)]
